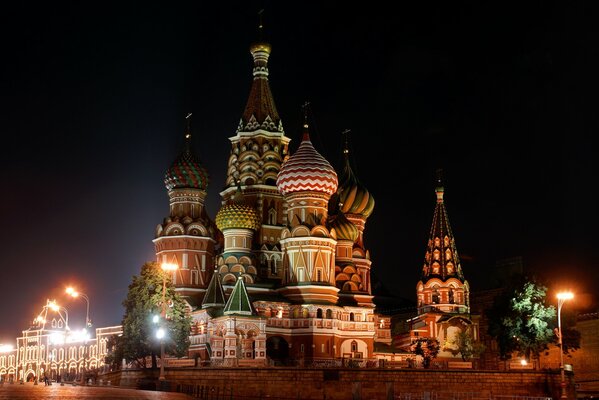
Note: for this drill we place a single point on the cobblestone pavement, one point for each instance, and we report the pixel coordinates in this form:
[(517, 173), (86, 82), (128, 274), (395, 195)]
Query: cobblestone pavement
[(69, 392)]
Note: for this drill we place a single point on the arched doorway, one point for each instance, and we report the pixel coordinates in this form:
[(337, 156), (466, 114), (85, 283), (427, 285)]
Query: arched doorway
[(277, 349)]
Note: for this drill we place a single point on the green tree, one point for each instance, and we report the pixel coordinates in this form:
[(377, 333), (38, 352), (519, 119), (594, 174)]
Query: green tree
[(464, 344), (427, 348), (143, 302), (521, 321)]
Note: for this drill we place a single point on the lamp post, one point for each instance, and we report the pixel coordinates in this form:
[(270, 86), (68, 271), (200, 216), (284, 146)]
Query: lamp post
[(561, 298), (74, 293), (161, 332)]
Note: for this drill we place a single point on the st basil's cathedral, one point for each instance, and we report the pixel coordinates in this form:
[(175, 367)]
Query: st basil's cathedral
[(283, 274)]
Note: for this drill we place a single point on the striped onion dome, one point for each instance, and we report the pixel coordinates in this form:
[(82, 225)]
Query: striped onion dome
[(353, 195), (237, 214), (307, 170), (344, 228)]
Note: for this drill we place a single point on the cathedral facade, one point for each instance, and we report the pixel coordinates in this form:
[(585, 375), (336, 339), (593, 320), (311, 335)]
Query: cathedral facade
[(282, 275)]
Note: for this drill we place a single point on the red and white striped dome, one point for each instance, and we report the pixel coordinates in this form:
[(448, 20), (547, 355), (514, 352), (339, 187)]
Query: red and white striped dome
[(307, 171)]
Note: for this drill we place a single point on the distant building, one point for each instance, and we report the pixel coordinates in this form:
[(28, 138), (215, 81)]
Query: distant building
[(50, 348)]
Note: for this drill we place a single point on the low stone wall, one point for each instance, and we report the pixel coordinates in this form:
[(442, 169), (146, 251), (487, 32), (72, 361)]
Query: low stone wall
[(333, 384)]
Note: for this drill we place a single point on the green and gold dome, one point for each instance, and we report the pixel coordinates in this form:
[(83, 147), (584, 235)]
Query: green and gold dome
[(237, 215), (354, 198), (344, 228)]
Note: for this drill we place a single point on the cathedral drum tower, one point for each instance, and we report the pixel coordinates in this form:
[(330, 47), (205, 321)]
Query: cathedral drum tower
[(187, 236)]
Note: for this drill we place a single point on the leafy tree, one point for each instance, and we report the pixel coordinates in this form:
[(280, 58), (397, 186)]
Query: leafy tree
[(114, 351), (521, 321), (143, 302), (464, 344), (427, 348), (571, 337)]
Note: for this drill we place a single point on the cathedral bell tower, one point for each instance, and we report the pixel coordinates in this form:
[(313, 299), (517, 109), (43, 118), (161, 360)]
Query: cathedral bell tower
[(258, 149)]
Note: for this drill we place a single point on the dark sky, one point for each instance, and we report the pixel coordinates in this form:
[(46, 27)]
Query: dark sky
[(93, 96)]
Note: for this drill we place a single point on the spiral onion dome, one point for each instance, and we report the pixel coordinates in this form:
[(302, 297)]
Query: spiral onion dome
[(237, 215), (307, 170), (353, 196), (186, 172), (344, 228)]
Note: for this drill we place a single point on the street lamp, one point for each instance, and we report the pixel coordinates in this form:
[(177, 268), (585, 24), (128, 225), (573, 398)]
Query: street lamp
[(561, 298), (73, 293), (161, 332)]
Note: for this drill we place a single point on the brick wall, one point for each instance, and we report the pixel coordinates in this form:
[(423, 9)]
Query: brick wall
[(298, 383)]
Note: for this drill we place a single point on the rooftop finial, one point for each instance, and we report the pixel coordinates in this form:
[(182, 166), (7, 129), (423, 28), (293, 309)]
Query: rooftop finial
[(439, 187), (260, 24), (306, 135), (345, 134), (188, 131)]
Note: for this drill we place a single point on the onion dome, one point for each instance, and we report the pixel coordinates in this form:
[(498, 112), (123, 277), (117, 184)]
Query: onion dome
[(307, 170), (237, 215), (344, 228), (186, 171), (354, 198)]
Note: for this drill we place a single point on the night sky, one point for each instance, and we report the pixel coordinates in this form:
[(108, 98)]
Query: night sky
[(502, 97)]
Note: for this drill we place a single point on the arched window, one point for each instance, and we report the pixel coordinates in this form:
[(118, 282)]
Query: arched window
[(354, 346), (351, 316), (319, 313), (329, 313), (451, 300), (272, 216), (435, 296)]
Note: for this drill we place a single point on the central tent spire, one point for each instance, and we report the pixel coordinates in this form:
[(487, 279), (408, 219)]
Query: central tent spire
[(260, 111)]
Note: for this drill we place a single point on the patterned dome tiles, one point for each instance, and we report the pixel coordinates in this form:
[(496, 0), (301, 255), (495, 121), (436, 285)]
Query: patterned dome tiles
[(307, 170), (186, 172), (237, 216), (354, 196)]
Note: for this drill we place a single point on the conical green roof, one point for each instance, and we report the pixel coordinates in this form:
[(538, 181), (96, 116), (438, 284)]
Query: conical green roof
[(215, 295), (239, 301)]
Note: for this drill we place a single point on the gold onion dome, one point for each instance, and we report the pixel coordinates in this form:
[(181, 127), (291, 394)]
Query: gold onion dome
[(237, 215), (260, 46), (353, 195), (344, 228)]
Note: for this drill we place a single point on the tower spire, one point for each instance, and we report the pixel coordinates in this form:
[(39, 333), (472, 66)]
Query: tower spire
[(439, 190), (306, 134), (260, 25), (260, 111), (345, 134), (188, 132)]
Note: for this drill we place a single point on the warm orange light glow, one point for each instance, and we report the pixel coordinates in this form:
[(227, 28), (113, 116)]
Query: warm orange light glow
[(565, 295), (72, 292), (169, 267), (523, 362), (53, 306)]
